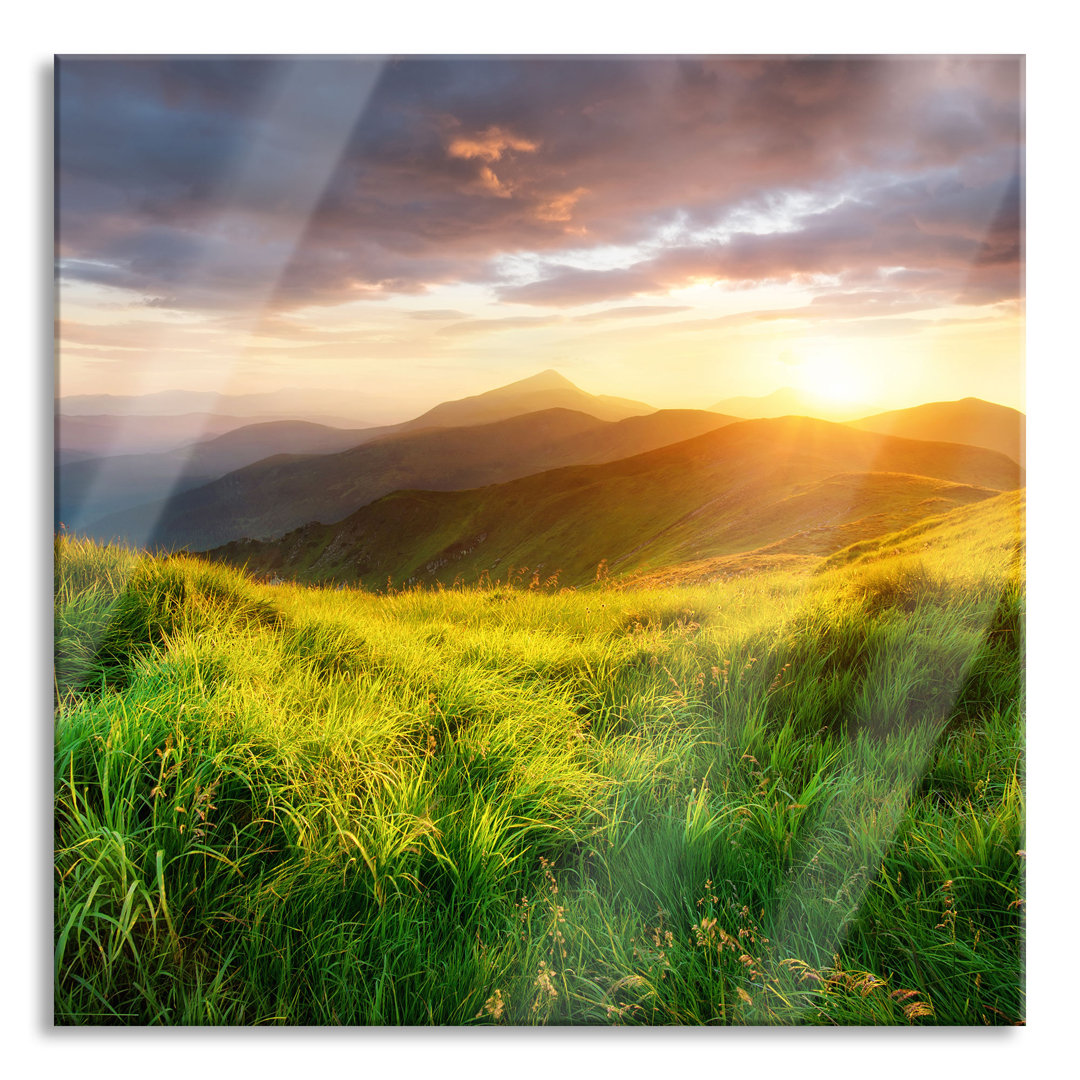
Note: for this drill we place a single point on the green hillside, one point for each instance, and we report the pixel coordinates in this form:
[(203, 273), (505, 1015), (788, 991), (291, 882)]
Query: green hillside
[(792, 486), (785, 799)]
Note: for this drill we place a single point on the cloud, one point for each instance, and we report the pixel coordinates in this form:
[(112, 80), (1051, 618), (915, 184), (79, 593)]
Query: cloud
[(490, 146), (571, 286), (487, 326), (436, 313), (974, 249), (560, 207), (176, 179), (487, 181), (130, 335), (632, 312)]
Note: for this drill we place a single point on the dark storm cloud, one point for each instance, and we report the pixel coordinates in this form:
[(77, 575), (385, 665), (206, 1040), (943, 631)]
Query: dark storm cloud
[(177, 179)]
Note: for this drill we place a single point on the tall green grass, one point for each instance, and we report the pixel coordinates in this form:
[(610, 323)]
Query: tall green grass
[(782, 799)]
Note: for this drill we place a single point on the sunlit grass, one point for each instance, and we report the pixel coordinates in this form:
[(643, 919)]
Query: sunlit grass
[(787, 798)]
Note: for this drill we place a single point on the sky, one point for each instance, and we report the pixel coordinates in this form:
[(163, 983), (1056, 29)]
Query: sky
[(397, 232)]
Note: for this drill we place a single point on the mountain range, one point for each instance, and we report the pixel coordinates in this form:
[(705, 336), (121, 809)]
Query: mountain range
[(545, 390), (103, 435), (537, 474), (88, 487), (793, 485), (971, 420), (149, 461), (281, 492)]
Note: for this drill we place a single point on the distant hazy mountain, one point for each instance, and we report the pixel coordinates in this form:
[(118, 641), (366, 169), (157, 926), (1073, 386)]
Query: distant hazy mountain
[(797, 484), (787, 401), (62, 455), (634, 435), (90, 488), (277, 494), (970, 420), (547, 390), (130, 425), (263, 501), (102, 435)]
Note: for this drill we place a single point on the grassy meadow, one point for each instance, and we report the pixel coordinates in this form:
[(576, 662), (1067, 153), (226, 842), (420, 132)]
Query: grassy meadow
[(791, 797)]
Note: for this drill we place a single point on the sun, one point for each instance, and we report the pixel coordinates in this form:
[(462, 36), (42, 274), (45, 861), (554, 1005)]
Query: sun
[(832, 378)]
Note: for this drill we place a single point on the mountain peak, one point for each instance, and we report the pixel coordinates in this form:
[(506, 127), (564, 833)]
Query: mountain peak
[(548, 379)]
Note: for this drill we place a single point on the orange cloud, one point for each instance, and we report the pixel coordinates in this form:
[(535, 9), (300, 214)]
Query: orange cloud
[(561, 207), (491, 183), (490, 145)]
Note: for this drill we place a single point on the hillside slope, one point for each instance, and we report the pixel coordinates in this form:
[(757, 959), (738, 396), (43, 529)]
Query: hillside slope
[(89, 489), (272, 496), (796, 484), (102, 435), (971, 421), (342, 800)]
